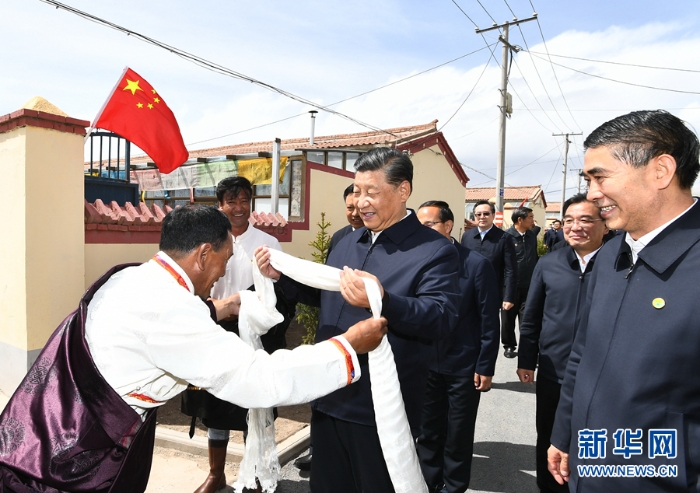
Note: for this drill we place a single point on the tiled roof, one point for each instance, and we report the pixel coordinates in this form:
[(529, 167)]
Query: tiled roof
[(113, 217), (510, 193), (553, 207), (389, 136)]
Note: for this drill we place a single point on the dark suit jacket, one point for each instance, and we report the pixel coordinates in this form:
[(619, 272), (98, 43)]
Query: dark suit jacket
[(497, 248), (552, 237), (417, 268), (337, 236), (634, 363), (472, 346), (552, 311), (525, 253)]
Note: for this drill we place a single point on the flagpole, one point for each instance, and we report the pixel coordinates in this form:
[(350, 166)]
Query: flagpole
[(104, 105)]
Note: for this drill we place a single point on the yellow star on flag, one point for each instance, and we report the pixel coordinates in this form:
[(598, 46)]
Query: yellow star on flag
[(156, 100), (154, 91), (132, 86), (150, 106), (139, 105)]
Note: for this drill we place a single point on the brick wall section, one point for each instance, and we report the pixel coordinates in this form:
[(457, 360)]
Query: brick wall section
[(140, 224), (32, 118)]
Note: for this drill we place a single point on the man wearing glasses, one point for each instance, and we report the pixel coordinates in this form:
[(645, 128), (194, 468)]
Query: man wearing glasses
[(553, 308), (492, 243)]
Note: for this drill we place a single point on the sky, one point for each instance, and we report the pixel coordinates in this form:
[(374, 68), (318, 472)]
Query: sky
[(328, 51)]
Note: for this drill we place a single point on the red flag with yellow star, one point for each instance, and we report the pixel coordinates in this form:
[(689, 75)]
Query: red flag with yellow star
[(138, 113)]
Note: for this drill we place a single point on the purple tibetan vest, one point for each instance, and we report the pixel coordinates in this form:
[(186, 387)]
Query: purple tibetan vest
[(65, 429)]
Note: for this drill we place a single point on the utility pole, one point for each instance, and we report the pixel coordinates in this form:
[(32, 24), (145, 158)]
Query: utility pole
[(507, 47), (566, 156)]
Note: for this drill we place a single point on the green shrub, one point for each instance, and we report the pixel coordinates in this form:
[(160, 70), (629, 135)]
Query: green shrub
[(307, 315)]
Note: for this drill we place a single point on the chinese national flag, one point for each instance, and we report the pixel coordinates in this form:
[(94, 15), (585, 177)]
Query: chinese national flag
[(138, 113)]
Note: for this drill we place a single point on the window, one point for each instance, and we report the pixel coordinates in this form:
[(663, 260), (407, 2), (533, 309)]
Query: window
[(334, 159)]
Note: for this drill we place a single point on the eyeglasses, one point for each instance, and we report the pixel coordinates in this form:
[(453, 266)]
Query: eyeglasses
[(583, 222), (430, 224), (479, 214)]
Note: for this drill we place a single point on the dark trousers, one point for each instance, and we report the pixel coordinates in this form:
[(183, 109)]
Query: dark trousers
[(446, 443), (347, 457), (508, 317), (547, 400)]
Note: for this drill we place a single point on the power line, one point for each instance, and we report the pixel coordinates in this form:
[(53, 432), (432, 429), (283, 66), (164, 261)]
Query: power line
[(566, 103), (621, 63), (351, 97), (533, 94), (539, 75), (621, 81), (486, 65), (212, 66), (533, 162), (487, 12)]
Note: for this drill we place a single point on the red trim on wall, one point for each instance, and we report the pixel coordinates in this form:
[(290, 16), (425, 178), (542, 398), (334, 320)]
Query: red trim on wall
[(438, 139), (113, 234), (31, 118)]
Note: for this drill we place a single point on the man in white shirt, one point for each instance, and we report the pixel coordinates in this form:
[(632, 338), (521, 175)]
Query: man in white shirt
[(234, 195), (628, 418), (80, 420)]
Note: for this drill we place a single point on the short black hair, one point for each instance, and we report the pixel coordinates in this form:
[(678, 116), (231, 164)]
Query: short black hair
[(520, 212), (397, 166), (485, 202), (557, 220), (638, 137), (348, 191), (185, 228), (445, 212), (232, 187), (576, 199)]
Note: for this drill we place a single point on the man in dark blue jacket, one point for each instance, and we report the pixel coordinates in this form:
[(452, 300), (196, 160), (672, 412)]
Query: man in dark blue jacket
[(553, 235), (492, 243), (554, 305), (461, 366), (523, 235), (352, 214), (629, 413), (415, 267)]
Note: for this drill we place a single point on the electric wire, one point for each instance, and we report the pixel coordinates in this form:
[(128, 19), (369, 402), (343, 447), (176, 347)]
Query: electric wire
[(487, 12), (535, 97), (209, 65), (347, 99), (621, 63), (486, 65), (540, 76), (644, 86), (566, 103)]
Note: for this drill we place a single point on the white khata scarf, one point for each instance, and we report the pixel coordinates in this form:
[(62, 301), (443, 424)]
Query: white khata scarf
[(257, 315)]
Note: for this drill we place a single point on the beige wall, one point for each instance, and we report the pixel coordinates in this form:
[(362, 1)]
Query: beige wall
[(42, 257), (101, 257), (326, 196), (433, 179)]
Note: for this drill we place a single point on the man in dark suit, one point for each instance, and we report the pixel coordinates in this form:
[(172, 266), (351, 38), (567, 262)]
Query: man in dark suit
[(492, 243), (352, 214), (415, 268), (461, 366), (553, 235), (523, 235), (630, 398), (554, 305)]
